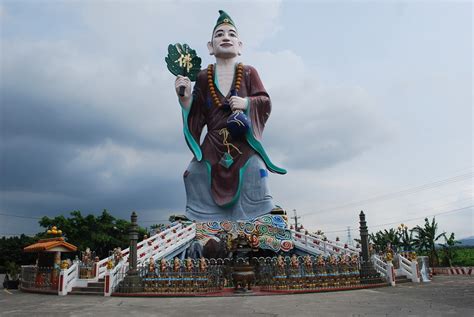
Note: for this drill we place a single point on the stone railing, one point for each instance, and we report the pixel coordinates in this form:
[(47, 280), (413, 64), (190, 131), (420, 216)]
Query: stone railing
[(384, 268), (408, 268), (101, 266), (318, 245), (161, 245), (68, 279)]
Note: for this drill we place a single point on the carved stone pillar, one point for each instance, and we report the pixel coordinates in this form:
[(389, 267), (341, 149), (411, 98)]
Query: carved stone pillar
[(366, 266), (133, 235), (132, 283)]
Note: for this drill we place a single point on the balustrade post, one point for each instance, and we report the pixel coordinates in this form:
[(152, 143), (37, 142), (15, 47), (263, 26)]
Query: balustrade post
[(62, 289), (390, 274), (415, 272), (95, 267), (107, 284)]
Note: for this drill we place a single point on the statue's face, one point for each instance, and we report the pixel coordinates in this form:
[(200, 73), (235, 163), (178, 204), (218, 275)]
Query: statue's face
[(225, 42)]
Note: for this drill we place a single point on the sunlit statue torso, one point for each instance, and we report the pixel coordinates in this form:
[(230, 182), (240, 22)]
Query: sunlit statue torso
[(228, 177)]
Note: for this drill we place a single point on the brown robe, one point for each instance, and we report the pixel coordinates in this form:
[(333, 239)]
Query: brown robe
[(225, 181)]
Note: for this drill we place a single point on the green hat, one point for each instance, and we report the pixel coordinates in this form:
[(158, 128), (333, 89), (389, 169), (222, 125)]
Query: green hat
[(224, 18)]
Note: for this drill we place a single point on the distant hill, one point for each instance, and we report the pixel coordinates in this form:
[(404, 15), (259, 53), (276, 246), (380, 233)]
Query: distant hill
[(469, 241)]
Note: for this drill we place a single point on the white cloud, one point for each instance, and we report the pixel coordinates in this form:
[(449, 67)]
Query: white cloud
[(314, 125)]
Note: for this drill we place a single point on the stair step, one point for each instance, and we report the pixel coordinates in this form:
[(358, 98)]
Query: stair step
[(404, 280), (96, 284), (85, 293), (88, 289)]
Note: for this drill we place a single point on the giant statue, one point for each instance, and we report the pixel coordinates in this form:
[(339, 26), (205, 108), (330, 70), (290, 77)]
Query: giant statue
[(228, 177)]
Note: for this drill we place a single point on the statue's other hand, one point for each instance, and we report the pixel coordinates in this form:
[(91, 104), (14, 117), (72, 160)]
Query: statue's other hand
[(182, 81), (238, 103)]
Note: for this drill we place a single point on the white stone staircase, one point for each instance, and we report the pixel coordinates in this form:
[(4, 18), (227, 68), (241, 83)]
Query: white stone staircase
[(165, 244), (407, 271)]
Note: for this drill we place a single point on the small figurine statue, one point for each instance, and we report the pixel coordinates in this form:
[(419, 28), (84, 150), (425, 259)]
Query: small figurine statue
[(333, 260), (163, 266), (354, 259), (294, 262), (189, 265), (64, 265), (320, 261), (344, 259), (176, 264), (308, 265), (295, 265), (151, 267), (110, 264), (280, 266), (202, 265), (87, 256), (323, 278), (117, 255)]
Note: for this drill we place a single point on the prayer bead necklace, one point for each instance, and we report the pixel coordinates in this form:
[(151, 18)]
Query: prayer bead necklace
[(210, 80)]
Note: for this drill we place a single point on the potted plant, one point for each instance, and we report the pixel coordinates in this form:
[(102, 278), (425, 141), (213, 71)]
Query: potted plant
[(12, 276)]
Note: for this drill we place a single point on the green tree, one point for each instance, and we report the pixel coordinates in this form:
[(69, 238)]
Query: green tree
[(406, 237), (426, 238), (101, 234), (157, 227), (381, 239), (11, 251), (448, 249)]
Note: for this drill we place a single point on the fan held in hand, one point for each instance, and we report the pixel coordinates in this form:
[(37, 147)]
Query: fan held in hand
[(182, 60)]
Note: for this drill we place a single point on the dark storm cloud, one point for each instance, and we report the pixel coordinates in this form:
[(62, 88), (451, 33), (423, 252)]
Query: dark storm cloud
[(74, 138), (74, 106)]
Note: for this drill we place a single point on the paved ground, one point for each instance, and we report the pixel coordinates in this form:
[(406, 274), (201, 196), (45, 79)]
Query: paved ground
[(444, 296)]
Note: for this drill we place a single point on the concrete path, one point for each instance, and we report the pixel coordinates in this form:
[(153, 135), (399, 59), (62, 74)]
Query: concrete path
[(444, 296)]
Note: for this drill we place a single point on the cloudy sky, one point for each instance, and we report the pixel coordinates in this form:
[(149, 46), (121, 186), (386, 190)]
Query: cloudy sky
[(372, 108)]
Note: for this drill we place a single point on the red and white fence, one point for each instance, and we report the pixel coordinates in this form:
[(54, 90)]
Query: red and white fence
[(452, 270)]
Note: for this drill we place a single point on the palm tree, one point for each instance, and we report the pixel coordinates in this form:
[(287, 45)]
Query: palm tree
[(382, 238), (426, 239), (378, 241), (448, 248), (406, 237)]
